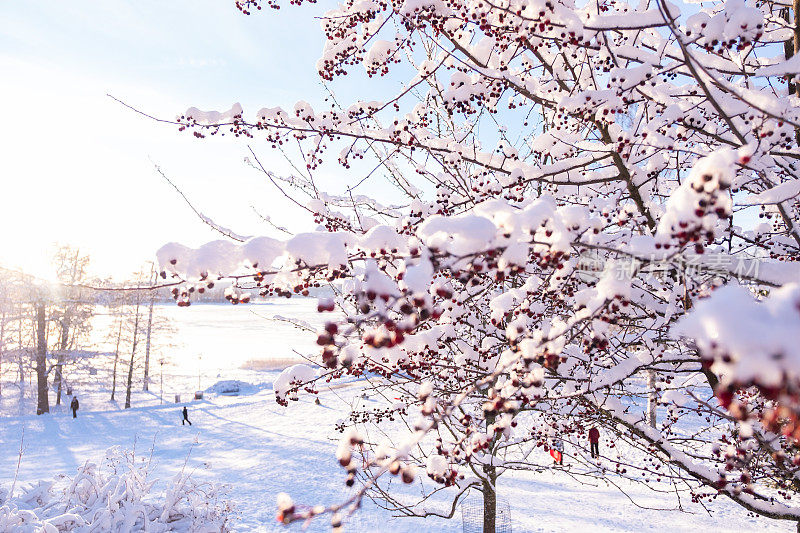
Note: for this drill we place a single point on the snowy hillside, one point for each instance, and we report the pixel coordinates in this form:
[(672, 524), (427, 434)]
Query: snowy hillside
[(262, 449)]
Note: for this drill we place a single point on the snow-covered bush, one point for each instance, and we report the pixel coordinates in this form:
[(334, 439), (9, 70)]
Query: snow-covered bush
[(118, 495), (568, 180)]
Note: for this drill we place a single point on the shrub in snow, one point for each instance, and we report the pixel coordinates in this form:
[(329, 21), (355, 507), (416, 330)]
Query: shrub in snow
[(567, 180), (290, 380), (234, 387), (117, 496), (228, 386)]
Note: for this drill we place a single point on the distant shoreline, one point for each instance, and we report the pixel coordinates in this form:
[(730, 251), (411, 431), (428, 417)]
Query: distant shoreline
[(278, 363)]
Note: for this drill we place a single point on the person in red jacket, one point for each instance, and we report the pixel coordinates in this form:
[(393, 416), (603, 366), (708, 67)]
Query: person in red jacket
[(557, 451), (594, 439)]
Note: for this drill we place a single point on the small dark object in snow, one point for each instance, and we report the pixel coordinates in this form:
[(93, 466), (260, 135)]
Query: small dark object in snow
[(185, 417)]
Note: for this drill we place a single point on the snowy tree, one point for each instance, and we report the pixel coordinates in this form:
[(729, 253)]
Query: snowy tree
[(136, 331), (42, 324), (13, 291), (130, 328), (25, 302), (73, 310), (571, 231)]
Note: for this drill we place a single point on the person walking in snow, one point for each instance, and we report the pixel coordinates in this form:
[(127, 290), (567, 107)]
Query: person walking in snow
[(594, 439), (74, 406), (185, 417)]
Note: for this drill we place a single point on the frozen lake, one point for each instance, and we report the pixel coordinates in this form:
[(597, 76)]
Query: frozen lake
[(213, 341), (225, 336)]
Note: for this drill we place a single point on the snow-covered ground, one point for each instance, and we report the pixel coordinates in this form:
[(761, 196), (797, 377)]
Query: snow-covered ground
[(261, 449)]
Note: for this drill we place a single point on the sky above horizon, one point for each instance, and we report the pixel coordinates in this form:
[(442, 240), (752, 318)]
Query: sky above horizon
[(78, 168)]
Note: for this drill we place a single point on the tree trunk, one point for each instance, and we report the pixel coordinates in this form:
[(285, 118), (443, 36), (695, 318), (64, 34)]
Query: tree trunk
[(66, 324), (652, 398), (147, 345), (796, 40), (133, 356), (489, 501), (2, 347), (57, 378), (130, 378), (42, 402), (792, 46), (116, 360), (62, 348), (20, 363)]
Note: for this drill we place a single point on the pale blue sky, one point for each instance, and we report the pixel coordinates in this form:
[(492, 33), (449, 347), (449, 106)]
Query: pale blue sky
[(76, 167)]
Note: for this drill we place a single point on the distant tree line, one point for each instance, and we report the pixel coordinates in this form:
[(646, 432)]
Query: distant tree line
[(46, 330)]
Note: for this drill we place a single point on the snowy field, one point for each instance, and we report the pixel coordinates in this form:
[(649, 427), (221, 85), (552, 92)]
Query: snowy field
[(261, 449)]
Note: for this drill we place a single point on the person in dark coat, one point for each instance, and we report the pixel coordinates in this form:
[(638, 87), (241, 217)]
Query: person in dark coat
[(74, 406), (594, 440), (185, 417)]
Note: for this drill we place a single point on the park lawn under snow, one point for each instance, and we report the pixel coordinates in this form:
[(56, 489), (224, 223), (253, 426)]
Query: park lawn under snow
[(261, 449)]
